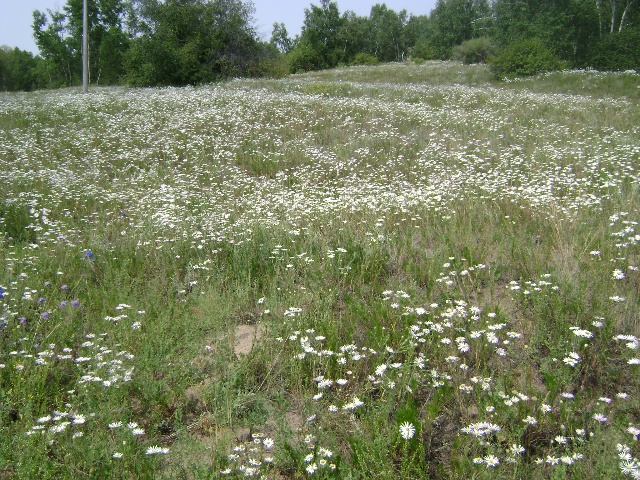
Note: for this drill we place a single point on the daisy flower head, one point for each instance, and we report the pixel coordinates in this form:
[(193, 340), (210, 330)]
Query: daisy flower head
[(600, 417), (157, 450), (491, 461), (629, 467), (618, 274), (268, 443), (407, 430), (516, 449)]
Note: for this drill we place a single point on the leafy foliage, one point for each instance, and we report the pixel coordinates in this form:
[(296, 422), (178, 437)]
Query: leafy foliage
[(424, 50), (16, 70), (618, 51), (193, 42), (280, 37), (365, 59), (304, 58), (59, 38), (525, 58), (319, 38), (476, 50), (456, 21)]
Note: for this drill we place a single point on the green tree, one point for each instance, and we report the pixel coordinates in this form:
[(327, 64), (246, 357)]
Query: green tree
[(280, 38), (319, 45), (386, 38), (418, 33), (615, 15), (524, 58), (617, 51), (183, 42), (17, 70), (56, 48), (59, 39), (3, 67), (571, 28), (455, 21), (416, 27)]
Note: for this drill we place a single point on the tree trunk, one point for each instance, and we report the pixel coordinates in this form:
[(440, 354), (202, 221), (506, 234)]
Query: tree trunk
[(624, 14), (614, 4), (599, 8)]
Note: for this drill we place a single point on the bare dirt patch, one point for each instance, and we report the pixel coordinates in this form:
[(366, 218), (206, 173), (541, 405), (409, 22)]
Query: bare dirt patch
[(244, 338)]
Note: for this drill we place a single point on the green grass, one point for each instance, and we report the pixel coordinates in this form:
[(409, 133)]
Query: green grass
[(278, 274)]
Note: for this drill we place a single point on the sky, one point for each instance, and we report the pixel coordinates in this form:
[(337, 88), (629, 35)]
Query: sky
[(16, 16)]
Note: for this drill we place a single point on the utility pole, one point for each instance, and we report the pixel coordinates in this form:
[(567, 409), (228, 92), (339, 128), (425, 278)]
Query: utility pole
[(85, 48)]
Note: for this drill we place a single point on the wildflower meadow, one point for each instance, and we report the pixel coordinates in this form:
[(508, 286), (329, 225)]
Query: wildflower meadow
[(396, 271)]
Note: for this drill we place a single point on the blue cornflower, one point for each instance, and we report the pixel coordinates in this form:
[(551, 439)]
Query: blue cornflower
[(88, 254), (1, 292)]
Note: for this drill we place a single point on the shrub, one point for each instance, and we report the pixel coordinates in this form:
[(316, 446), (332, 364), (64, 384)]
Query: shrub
[(424, 49), (476, 50), (365, 59), (303, 58), (617, 51), (525, 58)]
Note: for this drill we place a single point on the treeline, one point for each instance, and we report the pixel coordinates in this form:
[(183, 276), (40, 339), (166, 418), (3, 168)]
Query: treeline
[(518, 37), (142, 43), (179, 42)]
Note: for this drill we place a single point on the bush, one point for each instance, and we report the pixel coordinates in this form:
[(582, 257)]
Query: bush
[(365, 59), (303, 58), (525, 58), (424, 50), (476, 50), (617, 51)]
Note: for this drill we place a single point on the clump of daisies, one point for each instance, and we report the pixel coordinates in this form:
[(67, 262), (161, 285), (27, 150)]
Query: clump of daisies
[(629, 465), (318, 458), (253, 458)]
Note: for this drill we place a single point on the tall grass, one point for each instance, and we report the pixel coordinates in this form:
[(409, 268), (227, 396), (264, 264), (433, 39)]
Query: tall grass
[(406, 271)]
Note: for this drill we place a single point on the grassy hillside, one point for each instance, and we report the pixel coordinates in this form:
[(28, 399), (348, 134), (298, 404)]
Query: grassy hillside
[(402, 271)]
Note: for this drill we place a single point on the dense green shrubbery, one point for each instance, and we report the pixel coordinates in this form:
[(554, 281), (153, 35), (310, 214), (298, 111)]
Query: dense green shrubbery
[(17, 70), (619, 51), (424, 50), (525, 58), (476, 50), (303, 58), (365, 59)]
